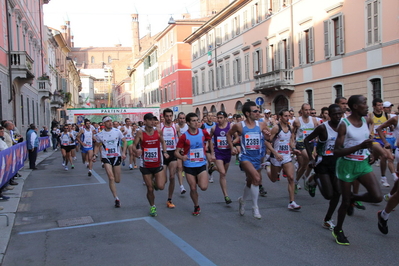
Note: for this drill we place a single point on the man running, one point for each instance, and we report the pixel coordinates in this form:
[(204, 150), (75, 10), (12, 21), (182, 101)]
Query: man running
[(325, 162), (192, 145), (170, 135), (222, 150), (183, 127), (129, 131), (85, 138), (151, 140), (109, 139), (280, 146), (67, 141), (352, 146), (252, 141)]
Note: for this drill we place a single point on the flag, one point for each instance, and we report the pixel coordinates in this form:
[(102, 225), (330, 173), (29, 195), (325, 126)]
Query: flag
[(87, 101), (209, 57)]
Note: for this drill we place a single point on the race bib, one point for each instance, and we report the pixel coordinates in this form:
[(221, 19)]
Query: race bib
[(197, 155), (330, 148), (111, 149), (252, 141), (170, 143), (283, 149), (150, 155), (88, 143), (221, 142)]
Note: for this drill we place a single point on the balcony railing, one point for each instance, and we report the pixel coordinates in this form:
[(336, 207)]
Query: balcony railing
[(44, 87), (275, 79), (22, 64), (57, 101)]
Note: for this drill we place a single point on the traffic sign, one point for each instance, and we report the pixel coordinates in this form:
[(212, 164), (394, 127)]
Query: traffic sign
[(176, 109), (259, 101)]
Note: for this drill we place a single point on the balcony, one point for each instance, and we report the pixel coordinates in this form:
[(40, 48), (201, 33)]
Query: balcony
[(57, 101), (21, 65), (44, 87), (282, 79)]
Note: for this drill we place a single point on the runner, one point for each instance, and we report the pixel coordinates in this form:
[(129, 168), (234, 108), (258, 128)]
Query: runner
[(192, 144), (66, 139), (352, 146), (170, 135), (250, 132), (151, 140), (109, 139), (280, 146), (85, 138), (222, 151), (183, 127), (325, 162), (129, 131), (208, 125)]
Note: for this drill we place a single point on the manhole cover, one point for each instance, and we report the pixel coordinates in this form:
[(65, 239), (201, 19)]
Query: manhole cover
[(75, 221)]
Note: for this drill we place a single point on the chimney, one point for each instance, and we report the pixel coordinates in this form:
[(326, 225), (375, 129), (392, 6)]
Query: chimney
[(68, 24), (135, 35), (64, 32), (72, 42)]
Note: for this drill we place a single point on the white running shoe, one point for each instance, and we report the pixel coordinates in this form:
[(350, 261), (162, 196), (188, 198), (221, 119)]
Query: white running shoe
[(74, 158), (329, 225), (256, 214), (182, 190), (241, 206), (395, 177), (294, 206), (210, 179), (63, 163), (384, 181), (130, 167), (298, 186), (66, 168)]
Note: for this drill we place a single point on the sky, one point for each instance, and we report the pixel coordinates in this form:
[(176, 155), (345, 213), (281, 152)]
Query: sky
[(104, 23)]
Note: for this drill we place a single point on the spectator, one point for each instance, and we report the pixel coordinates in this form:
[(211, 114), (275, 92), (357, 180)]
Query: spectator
[(55, 134), (44, 133), (54, 123), (3, 146), (32, 142)]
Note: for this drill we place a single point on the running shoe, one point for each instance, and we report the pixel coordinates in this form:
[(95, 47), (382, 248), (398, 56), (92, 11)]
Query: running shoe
[(153, 211), (395, 176), (89, 173), (102, 165), (329, 225), (197, 210), (182, 190), (183, 173), (237, 162), (299, 186), (262, 191), (123, 163), (293, 206), (154, 185), (312, 190), (351, 209), (72, 166), (384, 182), (359, 205), (296, 189), (130, 167), (66, 168), (340, 238), (63, 163), (170, 205), (211, 169), (74, 158), (210, 179), (256, 214), (305, 184), (227, 200), (241, 206), (4, 197), (386, 197), (87, 165), (382, 224), (117, 203)]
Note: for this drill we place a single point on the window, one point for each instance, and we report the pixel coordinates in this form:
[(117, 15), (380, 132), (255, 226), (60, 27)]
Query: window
[(218, 35), (309, 97), (246, 66), (235, 27), (92, 60), (245, 20), (109, 60), (306, 46), (226, 32), (338, 91), (203, 81), (237, 71), (270, 57), (227, 73), (376, 88), (211, 80), (222, 75), (257, 62), (372, 16), (334, 36), (255, 14)]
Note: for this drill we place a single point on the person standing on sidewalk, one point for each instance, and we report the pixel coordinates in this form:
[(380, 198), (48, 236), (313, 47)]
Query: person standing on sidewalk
[(32, 142)]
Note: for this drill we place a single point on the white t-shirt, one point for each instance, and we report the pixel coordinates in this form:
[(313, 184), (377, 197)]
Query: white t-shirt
[(111, 141)]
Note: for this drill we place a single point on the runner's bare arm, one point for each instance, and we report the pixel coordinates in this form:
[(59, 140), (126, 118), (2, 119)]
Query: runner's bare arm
[(164, 150)]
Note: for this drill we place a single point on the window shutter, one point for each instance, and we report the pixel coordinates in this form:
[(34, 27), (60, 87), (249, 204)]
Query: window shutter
[(232, 29), (300, 48), (276, 57), (239, 70), (255, 65), (238, 25), (377, 37), (289, 55), (235, 72), (281, 55), (253, 15), (326, 39), (268, 60), (260, 60), (341, 34), (311, 45)]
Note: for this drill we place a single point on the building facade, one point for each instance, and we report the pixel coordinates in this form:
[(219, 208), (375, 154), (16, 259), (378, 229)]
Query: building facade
[(290, 52)]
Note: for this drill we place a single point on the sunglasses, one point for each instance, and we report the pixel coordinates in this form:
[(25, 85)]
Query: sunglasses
[(312, 113), (255, 111)]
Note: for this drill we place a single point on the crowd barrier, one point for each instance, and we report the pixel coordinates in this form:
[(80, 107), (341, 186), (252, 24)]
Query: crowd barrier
[(13, 158)]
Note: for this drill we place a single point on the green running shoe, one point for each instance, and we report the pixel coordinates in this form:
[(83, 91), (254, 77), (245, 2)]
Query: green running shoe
[(340, 238), (153, 211), (227, 200)]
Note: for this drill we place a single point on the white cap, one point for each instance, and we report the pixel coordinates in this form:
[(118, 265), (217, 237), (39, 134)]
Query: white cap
[(387, 104), (267, 111), (230, 117)]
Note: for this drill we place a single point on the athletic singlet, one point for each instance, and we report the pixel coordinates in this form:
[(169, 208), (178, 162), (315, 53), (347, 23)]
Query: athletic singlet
[(326, 147), (87, 138), (110, 142), (170, 137), (151, 147), (354, 136), (305, 129), (291, 121), (66, 139), (129, 135), (74, 134), (378, 121), (194, 147), (183, 129), (396, 133), (281, 143), (219, 137), (209, 127), (252, 141)]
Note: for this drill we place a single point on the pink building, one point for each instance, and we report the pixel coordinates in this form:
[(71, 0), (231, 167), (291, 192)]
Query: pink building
[(284, 53)]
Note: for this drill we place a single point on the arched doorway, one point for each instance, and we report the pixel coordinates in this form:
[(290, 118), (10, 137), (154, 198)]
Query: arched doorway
[(204, 111), (222, 108), (280, 102), (213, 110), (238, 107), (198, 112)]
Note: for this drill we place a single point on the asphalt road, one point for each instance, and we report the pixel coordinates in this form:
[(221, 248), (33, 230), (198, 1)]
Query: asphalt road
[(104, 235)]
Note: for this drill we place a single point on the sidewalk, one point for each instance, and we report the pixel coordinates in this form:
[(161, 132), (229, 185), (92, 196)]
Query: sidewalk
[(11, 206)]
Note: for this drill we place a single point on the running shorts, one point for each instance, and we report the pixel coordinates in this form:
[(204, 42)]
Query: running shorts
[(349, 171)]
